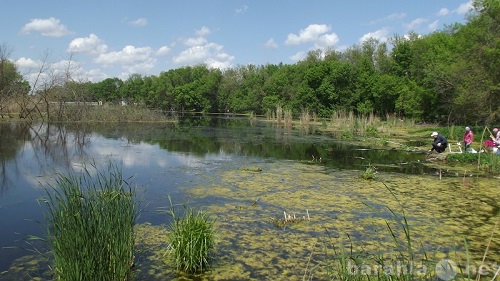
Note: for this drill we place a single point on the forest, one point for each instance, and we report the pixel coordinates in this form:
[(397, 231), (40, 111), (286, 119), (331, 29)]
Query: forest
[(450, 76)]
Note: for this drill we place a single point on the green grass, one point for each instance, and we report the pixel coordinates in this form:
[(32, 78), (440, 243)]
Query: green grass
[(486, 161), (369, 173), (192, 240), (90, 225)]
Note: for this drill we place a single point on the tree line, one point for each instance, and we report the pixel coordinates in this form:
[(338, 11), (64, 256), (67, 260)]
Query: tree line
[(449, 76)]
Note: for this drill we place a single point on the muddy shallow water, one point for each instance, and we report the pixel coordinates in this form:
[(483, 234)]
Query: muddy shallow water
[(247, 178)]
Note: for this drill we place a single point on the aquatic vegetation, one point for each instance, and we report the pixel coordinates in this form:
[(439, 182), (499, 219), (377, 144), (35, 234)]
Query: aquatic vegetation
[(289, 219), (371, 131), (192, 240), (150, 244), (346, 215), (90, 225), (369, 173), (355, 226), (347, 135), (252, 169)]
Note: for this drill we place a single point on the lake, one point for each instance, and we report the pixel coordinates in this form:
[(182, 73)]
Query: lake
[(247, 174)]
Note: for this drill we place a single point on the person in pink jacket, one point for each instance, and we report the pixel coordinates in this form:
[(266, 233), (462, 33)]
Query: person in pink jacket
[(468, 138)]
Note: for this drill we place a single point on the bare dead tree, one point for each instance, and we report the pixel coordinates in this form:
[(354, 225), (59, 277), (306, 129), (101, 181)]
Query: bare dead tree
[(30, 104)]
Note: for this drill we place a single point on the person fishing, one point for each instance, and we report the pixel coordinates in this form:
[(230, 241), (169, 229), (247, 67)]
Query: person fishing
[(439, 144)]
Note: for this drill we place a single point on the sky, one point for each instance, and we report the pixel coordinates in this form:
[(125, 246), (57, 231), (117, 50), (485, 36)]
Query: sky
[(94, 40)]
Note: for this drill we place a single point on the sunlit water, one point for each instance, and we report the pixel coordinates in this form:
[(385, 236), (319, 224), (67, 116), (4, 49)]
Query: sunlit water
[(247, 176)]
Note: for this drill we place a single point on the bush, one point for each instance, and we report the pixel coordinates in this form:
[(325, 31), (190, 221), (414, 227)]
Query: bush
[(90, 226), (192, 239)]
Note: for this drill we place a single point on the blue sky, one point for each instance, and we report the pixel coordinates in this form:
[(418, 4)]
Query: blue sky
[(95, 40)]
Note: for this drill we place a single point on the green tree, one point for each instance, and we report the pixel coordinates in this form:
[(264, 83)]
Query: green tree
[(132, 89), (106, 90), (13, 87)]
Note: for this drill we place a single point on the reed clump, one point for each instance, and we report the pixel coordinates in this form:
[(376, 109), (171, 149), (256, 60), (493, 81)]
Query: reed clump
[(305, 120), (279, 114), (89, 112), (288, 118), (90, 225), (352, 125), (192, 240)]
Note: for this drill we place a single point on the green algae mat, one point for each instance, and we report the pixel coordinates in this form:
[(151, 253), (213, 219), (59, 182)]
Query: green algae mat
[(294, 221)]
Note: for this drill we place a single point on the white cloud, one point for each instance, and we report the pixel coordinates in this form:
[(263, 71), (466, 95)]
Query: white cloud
[(395, 16), (132, 59), (307, 35), (381, 35), (63, 68), (210, 54), (434, 25), (414, 24), (326, 40), (27, 63), (91, 44), (126, 55), (443, 12), (242, 9), (391, 17), (271, 44), (47, 27), (162, 51), (195, 41), (201, 51), (298, 56), (39, 73), (203, 31), (221, 61), (192, 55), (96, 75), (139, 22), (464, 8)]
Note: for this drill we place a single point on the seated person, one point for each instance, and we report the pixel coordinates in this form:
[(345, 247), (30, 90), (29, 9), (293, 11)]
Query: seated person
[(439, 144), (495, 138)]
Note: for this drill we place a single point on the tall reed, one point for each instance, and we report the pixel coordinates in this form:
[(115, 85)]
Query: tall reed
[(305, 120), (288, 118), (192, 240), (90, 225), (279, 113)]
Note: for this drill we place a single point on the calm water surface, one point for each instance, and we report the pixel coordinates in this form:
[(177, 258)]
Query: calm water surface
[(202, 161)]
